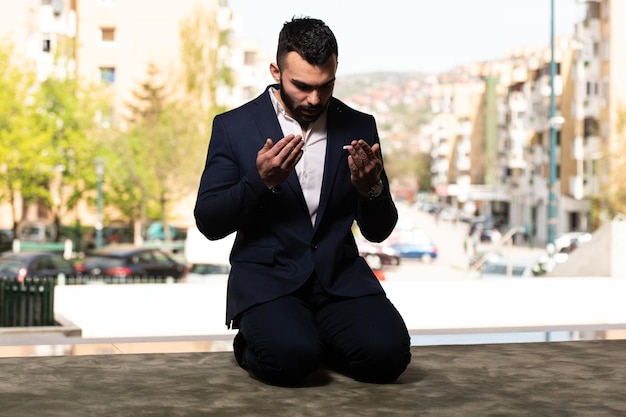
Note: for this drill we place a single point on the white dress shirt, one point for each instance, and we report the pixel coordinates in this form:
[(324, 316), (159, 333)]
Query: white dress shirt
[(310, 168)]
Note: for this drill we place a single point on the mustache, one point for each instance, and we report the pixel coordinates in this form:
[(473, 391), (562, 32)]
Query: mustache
[(311, 107)]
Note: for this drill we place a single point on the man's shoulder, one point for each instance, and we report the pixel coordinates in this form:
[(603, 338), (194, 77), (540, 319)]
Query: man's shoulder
[(341, 107), (247, 107), (263, 98)]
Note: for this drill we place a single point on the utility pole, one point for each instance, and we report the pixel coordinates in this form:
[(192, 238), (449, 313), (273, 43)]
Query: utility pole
[(554, 123), (99, 221)]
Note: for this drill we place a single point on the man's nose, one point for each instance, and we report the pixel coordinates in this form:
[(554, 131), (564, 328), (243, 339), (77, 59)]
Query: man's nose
[(314, 98)]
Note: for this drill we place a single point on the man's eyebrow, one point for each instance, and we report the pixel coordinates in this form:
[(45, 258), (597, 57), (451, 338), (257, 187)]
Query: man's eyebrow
[(301, 84)]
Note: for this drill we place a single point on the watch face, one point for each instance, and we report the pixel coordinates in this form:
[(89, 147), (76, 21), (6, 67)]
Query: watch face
[(376, 189)]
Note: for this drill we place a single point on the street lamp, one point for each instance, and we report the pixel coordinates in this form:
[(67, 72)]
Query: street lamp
[(554, 123), (100, 173)]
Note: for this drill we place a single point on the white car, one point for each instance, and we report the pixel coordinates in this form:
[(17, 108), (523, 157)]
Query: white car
[(507, 268), (200, 273)]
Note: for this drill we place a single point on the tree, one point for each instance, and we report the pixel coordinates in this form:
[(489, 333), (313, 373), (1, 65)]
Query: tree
[(204, 47), (25, 164), (46, 139), (66, 119), (617, 160), (157, 160)]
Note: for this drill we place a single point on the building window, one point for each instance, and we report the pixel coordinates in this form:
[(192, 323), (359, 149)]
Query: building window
[(107, 35), (107, 75), (605, 49), (105, 117), (46, 42), (605, 90), (249, 58)]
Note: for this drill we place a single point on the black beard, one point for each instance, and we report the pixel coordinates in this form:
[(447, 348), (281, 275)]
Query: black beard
[(290, 106)]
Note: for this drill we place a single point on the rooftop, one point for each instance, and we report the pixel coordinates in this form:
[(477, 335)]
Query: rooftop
[(582, 378)]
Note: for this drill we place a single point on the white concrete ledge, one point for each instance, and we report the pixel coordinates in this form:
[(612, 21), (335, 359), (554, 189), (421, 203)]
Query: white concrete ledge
[(428, 307), (510, 305)]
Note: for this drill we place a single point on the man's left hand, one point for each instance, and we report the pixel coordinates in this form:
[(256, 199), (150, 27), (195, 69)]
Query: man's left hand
[(365, 165)]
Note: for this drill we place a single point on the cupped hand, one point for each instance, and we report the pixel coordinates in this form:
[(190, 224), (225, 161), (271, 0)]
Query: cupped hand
[(365, 165), (276, 161)]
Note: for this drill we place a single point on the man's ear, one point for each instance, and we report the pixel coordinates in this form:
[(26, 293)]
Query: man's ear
[(275, 71)]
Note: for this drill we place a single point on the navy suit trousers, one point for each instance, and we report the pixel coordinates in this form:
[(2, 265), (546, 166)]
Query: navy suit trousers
[(284, 340)]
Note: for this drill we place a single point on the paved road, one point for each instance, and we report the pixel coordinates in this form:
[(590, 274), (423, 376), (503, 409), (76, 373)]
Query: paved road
[(452, 262)]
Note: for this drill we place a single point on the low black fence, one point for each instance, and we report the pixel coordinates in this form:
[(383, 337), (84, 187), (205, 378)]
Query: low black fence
[(105, 279), (30, 303)]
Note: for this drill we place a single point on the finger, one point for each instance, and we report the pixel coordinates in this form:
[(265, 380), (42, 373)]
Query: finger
[(290, 144), (376, 150), (267, 145), (292, 153), (281, 144), (362, 150)]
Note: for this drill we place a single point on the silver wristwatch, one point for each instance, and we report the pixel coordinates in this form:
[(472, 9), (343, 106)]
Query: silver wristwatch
[(376, 190)]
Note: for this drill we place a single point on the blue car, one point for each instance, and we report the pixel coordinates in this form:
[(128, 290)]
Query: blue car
[(414, 244)]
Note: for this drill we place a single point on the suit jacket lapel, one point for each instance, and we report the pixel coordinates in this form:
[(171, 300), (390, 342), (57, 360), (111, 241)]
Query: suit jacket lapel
[(265, 116)]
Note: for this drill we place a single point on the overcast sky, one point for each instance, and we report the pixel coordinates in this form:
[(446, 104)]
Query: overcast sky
[(412, 35)]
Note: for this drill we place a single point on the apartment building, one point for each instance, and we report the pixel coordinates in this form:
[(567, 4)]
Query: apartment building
[(40, 31), (510, 125), (600, 100), (117, 40), (465, 163), (112, 42)]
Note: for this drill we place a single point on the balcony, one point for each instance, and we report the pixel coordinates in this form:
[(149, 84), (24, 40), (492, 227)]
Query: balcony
[(517, 102), (515, 159), (463, 164), (576, 187)]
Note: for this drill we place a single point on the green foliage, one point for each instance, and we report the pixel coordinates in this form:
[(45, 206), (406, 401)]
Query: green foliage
[(46, 132), (25, 162), (156, 160), (616, 195), (50, 135)]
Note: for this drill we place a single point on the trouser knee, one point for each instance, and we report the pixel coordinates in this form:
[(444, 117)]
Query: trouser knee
[(280, 365), (381, 365)]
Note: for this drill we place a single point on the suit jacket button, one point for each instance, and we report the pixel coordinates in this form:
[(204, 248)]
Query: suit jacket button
[(313, 246)]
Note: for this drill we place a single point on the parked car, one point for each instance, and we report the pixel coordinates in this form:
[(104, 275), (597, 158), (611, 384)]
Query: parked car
[(507, 268), (132, 261), (204, 273), (483, 226), (414, 244), (567, 242), (86, 240), (449, 214), (377, 254), (156, 231), (36, 231), (6, 240), (36, 264)]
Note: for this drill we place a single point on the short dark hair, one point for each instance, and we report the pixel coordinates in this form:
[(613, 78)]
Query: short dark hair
[(311, 38)]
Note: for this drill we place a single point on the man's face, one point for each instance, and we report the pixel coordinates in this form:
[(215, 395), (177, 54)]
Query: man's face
[(305, 89)]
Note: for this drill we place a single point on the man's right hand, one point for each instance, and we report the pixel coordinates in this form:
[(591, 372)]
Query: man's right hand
[(276, 162)]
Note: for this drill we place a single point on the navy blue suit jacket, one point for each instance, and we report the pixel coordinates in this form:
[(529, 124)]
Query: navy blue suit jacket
[(277, 248)]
